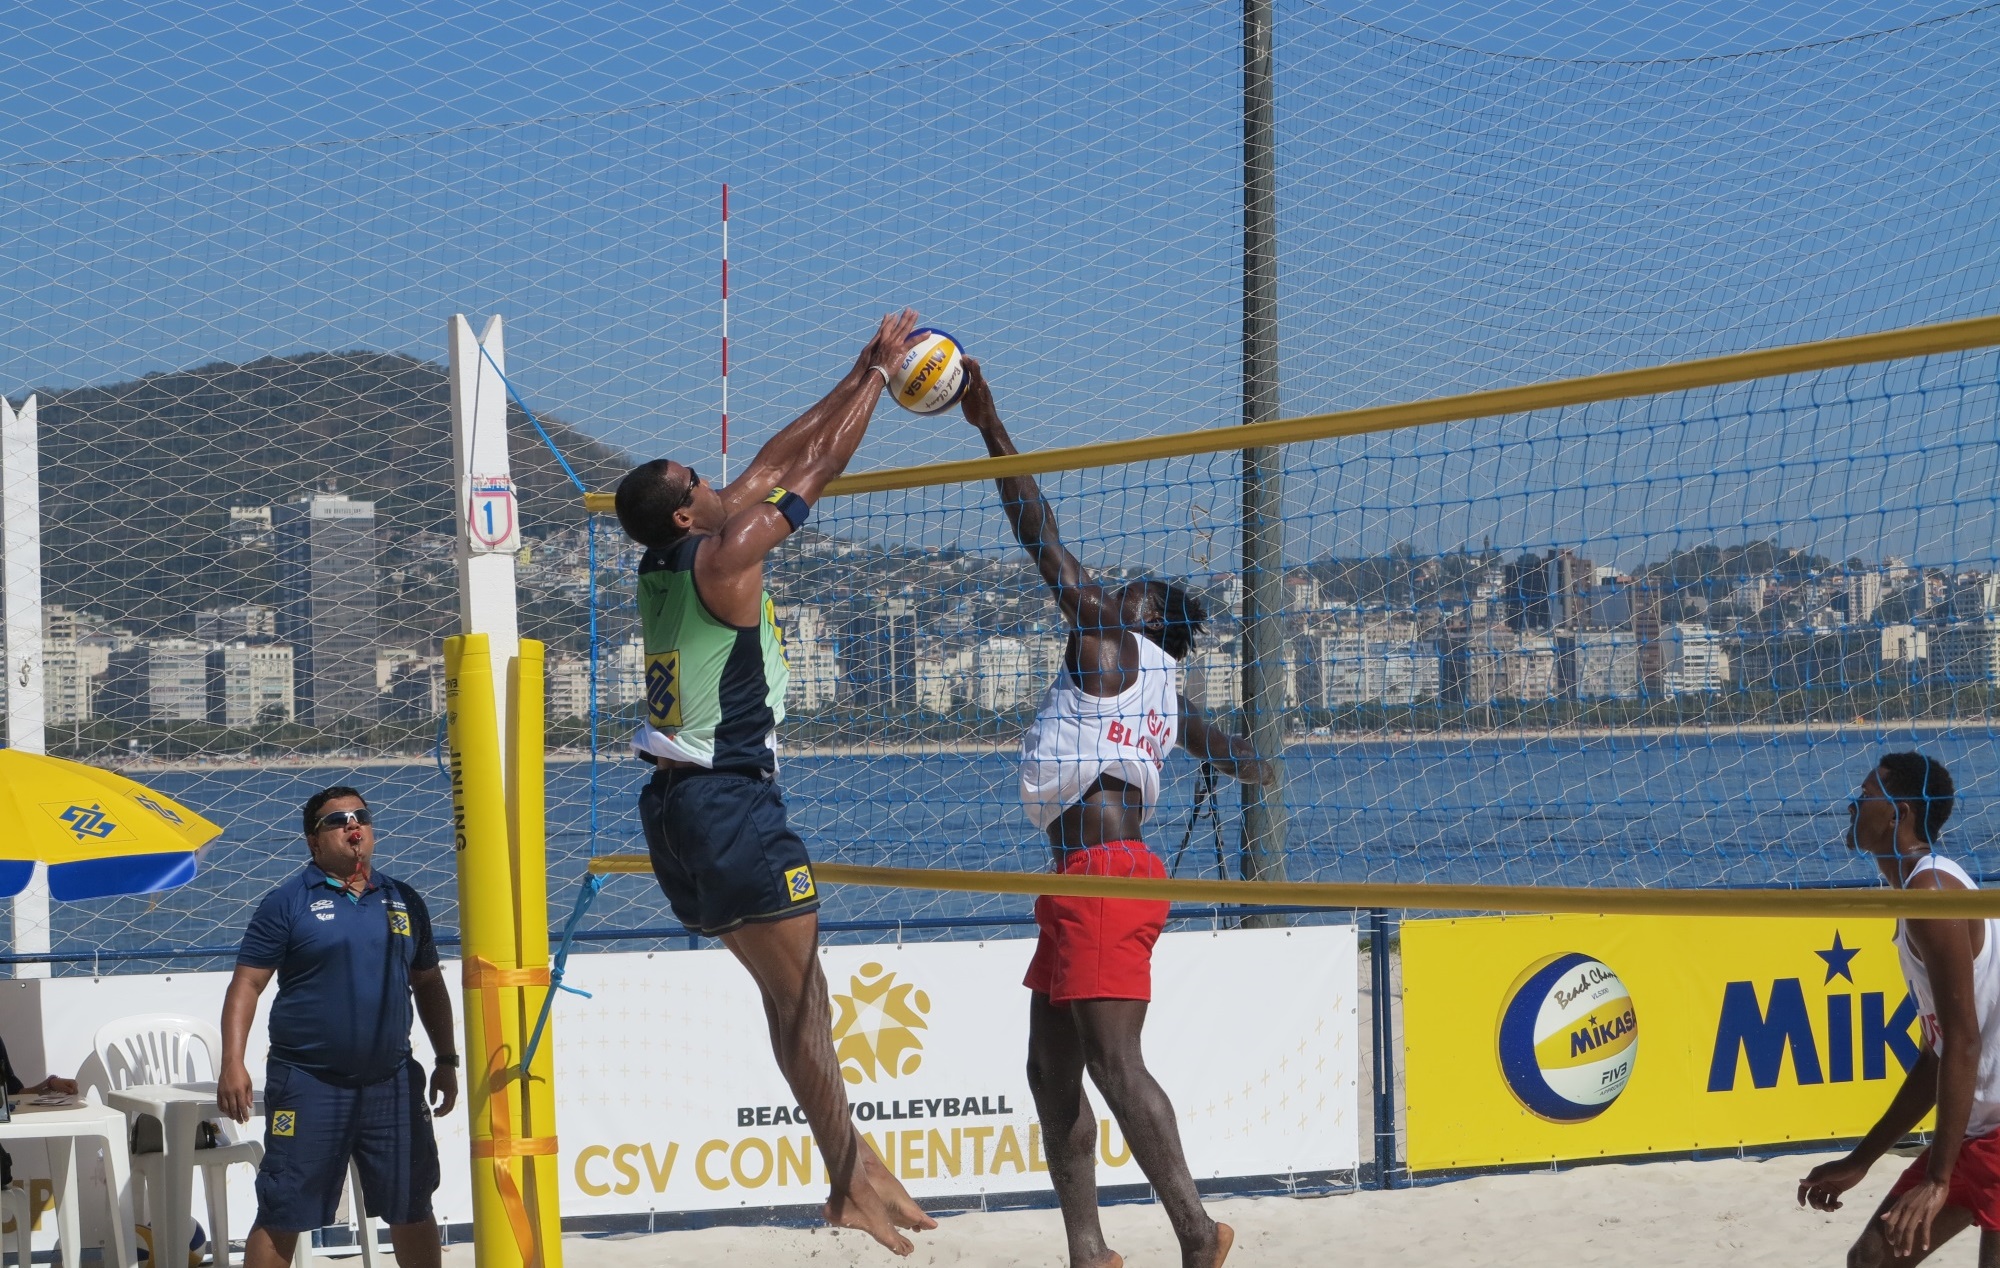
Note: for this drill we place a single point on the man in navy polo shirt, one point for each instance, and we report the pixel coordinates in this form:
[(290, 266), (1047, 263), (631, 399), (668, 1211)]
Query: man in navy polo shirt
[(352, 948)]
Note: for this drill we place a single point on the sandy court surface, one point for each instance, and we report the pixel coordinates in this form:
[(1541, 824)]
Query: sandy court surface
[(1665, 1213)]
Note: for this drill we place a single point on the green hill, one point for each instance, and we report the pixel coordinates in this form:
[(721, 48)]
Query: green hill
[(138, 477)]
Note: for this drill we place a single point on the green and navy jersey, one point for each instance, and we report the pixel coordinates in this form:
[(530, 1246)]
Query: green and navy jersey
[(715, 692)]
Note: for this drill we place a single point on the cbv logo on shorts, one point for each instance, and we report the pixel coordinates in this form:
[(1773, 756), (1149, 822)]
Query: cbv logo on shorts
[(1758, 1033)]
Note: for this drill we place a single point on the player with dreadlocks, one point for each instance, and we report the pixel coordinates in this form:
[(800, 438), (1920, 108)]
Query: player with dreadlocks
[(1090, 777)]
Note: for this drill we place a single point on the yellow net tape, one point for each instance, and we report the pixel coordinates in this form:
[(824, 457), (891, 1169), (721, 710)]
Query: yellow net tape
[(1740, 367), (1802, 903)]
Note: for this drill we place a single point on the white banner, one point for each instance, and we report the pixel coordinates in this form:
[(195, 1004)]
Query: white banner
[(668, 1098)]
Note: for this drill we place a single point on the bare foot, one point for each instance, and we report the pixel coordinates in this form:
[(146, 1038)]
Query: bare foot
[(1109, 1259), (863, 1209), (1225, 1237), (903, 1208)]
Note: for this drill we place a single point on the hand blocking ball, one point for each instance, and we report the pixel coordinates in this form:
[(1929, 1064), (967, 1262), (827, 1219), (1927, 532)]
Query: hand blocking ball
[(931, 376)]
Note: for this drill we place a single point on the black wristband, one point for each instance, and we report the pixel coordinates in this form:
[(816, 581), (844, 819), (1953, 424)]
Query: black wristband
[(447, 1060), (794, 508)]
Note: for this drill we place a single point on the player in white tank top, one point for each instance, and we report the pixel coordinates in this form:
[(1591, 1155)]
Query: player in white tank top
[(1079, 738), (1953, 970), (1090, 778)]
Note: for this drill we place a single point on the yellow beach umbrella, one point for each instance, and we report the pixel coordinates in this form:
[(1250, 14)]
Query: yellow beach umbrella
[(100, 833)]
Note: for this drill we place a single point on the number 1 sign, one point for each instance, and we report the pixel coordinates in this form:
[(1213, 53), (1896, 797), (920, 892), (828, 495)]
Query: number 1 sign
[(490, 519)]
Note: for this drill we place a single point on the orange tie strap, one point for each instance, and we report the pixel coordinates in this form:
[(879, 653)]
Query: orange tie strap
[(487, 979), (514, 1147), (484, 975)]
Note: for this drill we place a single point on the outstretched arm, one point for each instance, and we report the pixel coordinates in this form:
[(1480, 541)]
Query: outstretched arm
[(1233, 755), (729, 568), (806, 443), (1028, 511)]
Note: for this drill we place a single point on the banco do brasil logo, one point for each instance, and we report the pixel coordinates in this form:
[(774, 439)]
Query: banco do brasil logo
[(1568, 1037)]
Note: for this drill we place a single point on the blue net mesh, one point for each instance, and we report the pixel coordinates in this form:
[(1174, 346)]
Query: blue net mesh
[(234, 244)]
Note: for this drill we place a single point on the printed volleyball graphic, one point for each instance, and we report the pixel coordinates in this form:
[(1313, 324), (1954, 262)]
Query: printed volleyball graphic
[(1568, 1037)]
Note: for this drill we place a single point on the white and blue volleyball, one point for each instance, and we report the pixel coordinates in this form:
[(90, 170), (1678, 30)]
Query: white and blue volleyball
[(931, 376), (1569, 1036)]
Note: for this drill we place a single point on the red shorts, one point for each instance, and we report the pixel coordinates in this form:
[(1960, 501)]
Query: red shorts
[(1975, 1179), (1098, 948)]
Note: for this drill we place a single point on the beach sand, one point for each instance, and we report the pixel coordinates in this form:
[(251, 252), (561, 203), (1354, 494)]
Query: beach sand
[(1663, 1213)]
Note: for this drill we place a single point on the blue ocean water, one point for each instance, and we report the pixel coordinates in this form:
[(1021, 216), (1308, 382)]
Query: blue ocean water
[(1717, 809)]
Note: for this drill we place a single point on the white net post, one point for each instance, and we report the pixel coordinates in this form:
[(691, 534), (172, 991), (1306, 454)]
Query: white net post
[(21, 540), (489, 522)]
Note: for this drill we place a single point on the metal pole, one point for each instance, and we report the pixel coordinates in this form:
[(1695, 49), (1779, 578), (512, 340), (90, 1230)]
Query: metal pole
[(21, 543), (1382, 1017), (1263, 490)]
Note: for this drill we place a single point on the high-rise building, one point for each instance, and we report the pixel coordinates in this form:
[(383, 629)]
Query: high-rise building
[(1545, 593), (1006, 673), (124, 690), (177, 680), (416, 690), (1645, 607), (65, 685), (811, 656), (621, 675), (1971, 653), (878, 654), (328, 575), (1695, 661), (621, 681), (1474, 664), (242, 623), (942, 677), (1601, 664), (250, 684), (1864, 595), (1975, 596), (568, 688), (1212, 677)]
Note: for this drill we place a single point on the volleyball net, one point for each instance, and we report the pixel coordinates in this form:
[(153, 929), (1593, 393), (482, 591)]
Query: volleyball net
[(233, 247), (1670, 634)]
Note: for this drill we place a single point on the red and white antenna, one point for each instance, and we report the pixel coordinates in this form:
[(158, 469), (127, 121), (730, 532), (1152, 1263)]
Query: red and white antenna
[(725, 334)]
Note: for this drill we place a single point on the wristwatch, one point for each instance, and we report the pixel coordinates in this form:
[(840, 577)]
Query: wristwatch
[(448, 1059)]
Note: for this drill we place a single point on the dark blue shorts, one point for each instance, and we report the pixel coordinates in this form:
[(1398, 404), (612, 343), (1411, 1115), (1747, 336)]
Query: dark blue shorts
[(722, 851), (312, 1128)]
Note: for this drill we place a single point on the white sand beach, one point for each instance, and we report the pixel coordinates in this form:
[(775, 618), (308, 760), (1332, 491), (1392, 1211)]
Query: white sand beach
[(1664, 1213)]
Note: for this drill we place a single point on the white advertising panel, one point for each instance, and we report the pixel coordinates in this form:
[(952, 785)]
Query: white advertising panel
[(668, 1098)]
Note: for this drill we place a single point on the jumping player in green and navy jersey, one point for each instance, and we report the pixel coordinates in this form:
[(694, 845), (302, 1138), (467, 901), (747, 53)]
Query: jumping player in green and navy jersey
[(715, 689)]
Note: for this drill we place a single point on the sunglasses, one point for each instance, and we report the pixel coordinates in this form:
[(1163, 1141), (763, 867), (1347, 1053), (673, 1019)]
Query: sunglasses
[(694, 482), (344, 818)]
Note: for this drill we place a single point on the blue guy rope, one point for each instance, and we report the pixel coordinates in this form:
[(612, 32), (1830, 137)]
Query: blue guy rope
[(560, 964), (539, 429)]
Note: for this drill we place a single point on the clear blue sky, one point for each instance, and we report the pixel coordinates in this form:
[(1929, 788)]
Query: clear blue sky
[(1472, 194)]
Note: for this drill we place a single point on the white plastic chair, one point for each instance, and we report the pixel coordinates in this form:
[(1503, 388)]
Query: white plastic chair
[(14, 1206), (162, 1048)]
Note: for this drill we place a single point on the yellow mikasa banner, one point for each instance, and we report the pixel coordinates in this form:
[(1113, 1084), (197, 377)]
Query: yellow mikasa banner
[(1537, 1038)]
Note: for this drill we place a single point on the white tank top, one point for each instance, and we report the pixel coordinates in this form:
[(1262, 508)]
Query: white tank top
[(1986, 991), (1077, 737)]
